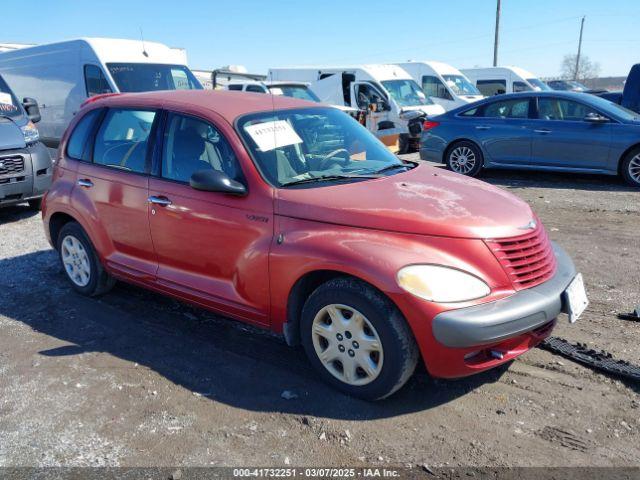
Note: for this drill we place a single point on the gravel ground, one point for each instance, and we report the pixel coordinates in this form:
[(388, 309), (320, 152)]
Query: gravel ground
[(137, 379)]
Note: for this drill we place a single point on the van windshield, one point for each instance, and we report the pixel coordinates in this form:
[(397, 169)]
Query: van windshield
[(460, 85), (406, 93), (146, 77), (294, 91), (314, 147), (538, 85), (9, 106)]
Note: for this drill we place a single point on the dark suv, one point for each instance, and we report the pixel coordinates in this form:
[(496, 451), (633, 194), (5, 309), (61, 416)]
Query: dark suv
[(25, 163)]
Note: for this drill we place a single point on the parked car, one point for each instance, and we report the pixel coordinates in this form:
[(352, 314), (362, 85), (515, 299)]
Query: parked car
[(572, 86), (62, 75), (442, 83), (293, 217), (397, 104), (25, 164), (499, 80), (629, 97), (554, 131)]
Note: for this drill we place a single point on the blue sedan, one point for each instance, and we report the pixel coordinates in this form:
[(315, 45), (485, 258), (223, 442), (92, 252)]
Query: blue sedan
[(552, 131)]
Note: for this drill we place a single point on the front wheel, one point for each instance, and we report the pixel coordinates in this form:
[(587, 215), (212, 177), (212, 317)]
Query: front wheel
[(630, 168), (357, 339), (464, 158)]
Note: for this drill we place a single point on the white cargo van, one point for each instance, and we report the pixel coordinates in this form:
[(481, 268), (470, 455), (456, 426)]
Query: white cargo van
[(496, 80), (442, 83), (395, 103), (63, 75)]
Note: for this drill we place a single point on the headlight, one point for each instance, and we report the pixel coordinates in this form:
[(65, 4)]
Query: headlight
[(441, 284), (30, 133)]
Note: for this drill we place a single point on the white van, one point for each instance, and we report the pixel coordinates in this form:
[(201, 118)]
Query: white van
[(63, 75), (444, 84), (496, 80), (395, 103)]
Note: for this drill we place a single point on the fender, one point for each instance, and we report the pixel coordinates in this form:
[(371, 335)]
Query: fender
[(373, 256)]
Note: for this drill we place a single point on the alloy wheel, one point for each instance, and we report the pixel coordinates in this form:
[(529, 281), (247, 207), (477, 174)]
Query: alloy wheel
[(634, 168), (347, 344), (462, 160), (75, 260)]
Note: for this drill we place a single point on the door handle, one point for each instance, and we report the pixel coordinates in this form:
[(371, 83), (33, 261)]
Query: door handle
[(483, 127), (159, 200), (85, 182), (543, 131)]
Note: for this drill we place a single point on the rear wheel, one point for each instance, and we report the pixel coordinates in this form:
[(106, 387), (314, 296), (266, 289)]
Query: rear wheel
[(630, 168), (464, 158), (357, 339), (80, 262)]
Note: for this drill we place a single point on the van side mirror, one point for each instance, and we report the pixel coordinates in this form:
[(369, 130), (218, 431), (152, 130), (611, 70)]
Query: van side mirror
[(32, 109), (593, 117), (210, 180)]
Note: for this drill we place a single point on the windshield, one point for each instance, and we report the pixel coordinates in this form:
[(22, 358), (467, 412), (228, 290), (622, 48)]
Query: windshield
[(406, 93), (460, 85), (293, 146), (295, 91), (9, 106), (146, 77), (538, 84), (577, 86), (612, 109)]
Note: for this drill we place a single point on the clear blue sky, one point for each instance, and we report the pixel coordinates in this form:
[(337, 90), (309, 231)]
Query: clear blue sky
[(535, 34)]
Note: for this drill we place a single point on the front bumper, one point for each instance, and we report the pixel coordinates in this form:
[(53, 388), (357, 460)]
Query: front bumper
[(520, 313), (32, 181)]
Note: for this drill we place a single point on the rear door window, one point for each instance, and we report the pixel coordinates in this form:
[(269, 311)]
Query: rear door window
[(507, 109), (489, 88), (122, 140), (78, 145), (95, 81)]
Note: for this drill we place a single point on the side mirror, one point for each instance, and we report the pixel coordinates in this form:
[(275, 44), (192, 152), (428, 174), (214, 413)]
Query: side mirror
[(595, 118), (210, 180), (32, 109)]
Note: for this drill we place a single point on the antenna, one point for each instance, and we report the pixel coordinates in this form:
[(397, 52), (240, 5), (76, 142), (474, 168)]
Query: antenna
[(144, 50)]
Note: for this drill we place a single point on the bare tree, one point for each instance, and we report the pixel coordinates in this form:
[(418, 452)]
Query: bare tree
[(586, 69)]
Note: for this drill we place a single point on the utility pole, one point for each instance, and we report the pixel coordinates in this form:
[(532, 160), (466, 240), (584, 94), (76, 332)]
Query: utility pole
[(575, 73), (495, 42)]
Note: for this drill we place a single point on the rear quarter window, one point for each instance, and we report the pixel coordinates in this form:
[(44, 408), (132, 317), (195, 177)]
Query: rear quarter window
[(78, 145)]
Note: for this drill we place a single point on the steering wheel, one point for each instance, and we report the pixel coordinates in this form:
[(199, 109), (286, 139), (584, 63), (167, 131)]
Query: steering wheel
[(330, 156)]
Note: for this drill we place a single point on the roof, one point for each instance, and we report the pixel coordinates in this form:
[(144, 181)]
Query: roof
[(117, 50), (379, 71), (440, 67), (227, 103)]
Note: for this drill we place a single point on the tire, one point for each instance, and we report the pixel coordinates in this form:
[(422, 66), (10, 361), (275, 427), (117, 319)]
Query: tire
[(383, 343), (403, 144), (80, 262), (35, 204), (464, 158), (630, 168)]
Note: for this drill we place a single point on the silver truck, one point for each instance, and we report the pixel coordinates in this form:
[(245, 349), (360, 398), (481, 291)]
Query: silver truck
[(25, 163)]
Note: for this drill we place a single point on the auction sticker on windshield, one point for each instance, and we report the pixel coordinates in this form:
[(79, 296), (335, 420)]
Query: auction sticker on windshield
[(270, 135)]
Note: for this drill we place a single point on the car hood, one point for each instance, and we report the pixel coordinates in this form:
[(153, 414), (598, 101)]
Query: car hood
[(425, 200), (10, 135)]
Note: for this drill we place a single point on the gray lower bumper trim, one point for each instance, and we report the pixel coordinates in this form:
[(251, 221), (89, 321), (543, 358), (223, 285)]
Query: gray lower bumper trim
[(522, 312)]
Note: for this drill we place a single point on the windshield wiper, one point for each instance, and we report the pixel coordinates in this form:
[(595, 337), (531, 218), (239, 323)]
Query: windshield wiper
[(393, 167), (326, 178)]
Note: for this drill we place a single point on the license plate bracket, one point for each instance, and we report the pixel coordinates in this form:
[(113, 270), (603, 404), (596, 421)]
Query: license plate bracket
[(574, 298)]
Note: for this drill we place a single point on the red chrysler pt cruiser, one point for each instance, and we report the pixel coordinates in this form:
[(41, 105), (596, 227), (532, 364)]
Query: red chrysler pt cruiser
[(293, 217)]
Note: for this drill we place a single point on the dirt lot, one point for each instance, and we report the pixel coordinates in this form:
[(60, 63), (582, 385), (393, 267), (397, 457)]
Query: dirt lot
[(136, 379)]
